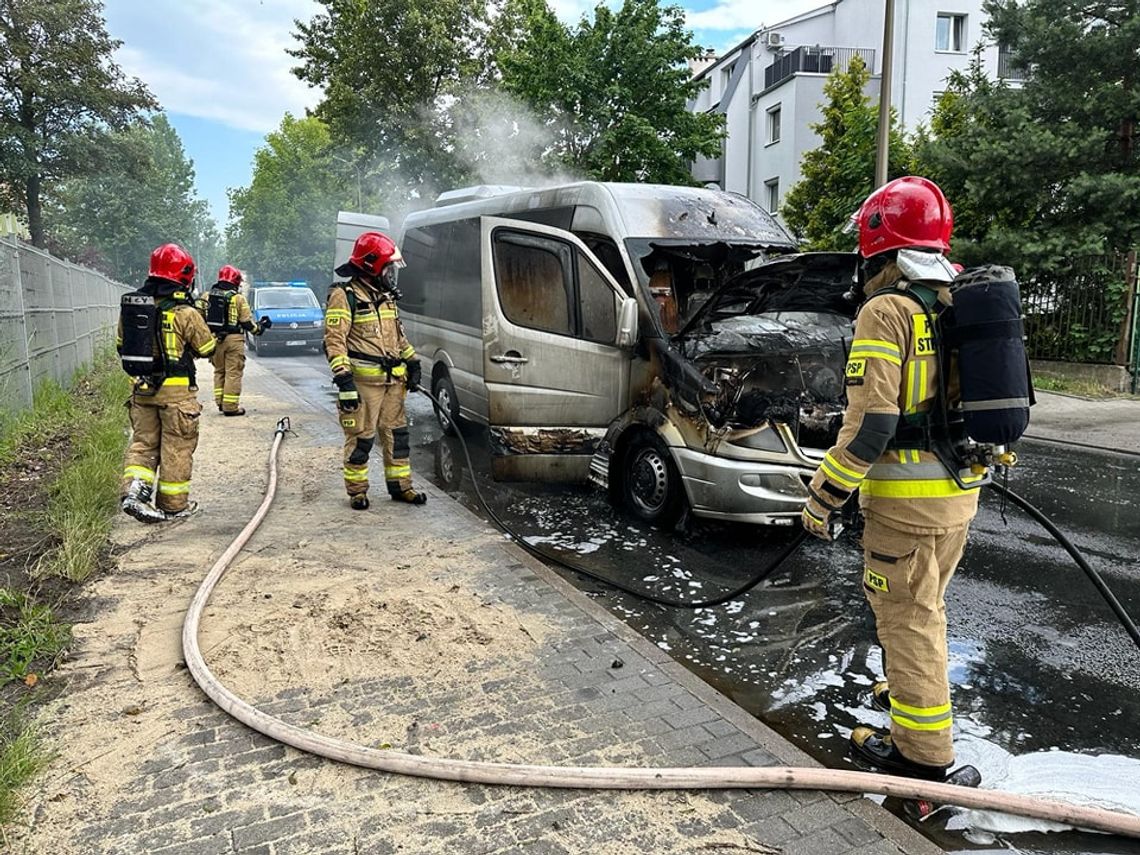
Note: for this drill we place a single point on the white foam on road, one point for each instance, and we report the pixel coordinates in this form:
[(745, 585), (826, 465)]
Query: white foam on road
[(1107, 781)]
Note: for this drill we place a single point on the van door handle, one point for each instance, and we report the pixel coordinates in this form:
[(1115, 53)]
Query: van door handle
[(511, 356)]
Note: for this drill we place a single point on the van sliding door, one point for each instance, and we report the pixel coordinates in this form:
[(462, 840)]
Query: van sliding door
[(555, 375)]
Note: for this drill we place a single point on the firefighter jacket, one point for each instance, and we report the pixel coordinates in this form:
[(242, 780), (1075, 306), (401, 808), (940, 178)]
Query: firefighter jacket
[(363, 335), (238, 315), (182, 337), (892, 371)]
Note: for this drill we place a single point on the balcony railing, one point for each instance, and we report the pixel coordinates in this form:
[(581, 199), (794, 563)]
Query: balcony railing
[(814, 60), (1007, 70)]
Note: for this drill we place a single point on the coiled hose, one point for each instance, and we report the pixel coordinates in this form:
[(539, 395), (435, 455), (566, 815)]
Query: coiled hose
[(589, 777)]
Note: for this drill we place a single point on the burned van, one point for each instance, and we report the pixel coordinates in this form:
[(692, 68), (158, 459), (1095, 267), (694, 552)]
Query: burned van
[(664, 342)]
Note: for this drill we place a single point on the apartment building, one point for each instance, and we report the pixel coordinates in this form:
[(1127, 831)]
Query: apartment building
[(770, 86)]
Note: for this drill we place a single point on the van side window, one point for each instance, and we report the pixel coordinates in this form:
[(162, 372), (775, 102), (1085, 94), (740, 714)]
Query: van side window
[(599, 311), (535, 285)]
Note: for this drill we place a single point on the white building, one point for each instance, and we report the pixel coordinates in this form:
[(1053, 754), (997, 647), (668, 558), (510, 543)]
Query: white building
[(770, 86)]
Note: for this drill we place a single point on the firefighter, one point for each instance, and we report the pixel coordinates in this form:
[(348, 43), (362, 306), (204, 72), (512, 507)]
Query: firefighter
[(159, 335), (917, 514), (229, 318), (374, 366)]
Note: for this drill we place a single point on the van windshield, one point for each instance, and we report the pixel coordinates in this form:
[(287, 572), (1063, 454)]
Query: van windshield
[(286, 298)]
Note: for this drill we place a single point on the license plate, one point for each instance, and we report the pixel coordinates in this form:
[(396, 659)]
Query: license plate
[(291, 343)]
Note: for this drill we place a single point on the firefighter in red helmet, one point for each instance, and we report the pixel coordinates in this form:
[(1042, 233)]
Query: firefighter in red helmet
[(229, 319), (374, 366), (160, 334), (917, 514)]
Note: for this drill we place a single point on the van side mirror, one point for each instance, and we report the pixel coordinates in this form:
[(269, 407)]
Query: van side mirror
[(627, 323)]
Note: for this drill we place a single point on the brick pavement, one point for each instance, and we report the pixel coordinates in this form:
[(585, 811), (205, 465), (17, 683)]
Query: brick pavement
[(588, 691)]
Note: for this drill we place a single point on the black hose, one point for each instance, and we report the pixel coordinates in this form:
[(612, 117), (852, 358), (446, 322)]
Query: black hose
[(542, 555), (1110, 598)]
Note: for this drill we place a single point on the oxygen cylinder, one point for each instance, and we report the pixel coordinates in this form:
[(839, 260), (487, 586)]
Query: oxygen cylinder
[(139, 316), (986, 329), (217, 310)]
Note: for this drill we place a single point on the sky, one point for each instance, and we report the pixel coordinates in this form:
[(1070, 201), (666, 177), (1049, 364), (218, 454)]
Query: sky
[(220, 70)]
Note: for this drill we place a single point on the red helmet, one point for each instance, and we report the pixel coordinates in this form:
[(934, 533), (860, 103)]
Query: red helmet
[(371, 253), (172, 262), (906, 212), (230, 274)]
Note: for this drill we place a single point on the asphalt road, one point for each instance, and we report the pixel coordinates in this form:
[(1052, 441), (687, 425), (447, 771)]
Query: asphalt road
[(1046, 684)]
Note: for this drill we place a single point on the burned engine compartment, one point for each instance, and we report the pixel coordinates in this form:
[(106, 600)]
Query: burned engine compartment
[(769, 345)]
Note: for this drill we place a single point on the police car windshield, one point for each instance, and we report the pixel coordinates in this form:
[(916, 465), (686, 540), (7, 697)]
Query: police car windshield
[(286, 298)]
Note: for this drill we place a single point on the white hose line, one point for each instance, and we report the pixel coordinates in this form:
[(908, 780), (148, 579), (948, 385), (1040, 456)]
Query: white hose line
[(599, 777)]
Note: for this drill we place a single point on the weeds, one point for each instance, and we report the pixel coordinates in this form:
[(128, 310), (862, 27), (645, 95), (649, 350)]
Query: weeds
[(84, 498), (22, 757), (29, 634), (53, 405), (1069, 385)]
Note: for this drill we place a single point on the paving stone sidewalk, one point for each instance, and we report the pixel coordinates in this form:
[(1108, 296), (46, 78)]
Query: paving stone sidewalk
[(149, 765)]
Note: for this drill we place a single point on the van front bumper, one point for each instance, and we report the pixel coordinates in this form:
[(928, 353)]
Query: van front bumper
[(742, 490)]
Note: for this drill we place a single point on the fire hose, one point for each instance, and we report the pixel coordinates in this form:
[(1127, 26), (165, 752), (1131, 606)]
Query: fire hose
[(593, 777)]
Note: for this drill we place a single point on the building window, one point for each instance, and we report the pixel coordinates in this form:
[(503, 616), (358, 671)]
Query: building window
[(774, 124), (772, 194), (950, 34)]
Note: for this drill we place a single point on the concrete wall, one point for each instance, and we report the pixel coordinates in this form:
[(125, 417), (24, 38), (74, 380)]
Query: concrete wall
[(1113, 377), (54, 316)]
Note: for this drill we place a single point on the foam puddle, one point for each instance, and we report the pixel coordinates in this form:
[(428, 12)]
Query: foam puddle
[(1107, 781)]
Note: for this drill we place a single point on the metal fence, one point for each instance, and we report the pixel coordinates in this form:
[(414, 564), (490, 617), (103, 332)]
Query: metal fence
[(54, 316), (1082, 311)]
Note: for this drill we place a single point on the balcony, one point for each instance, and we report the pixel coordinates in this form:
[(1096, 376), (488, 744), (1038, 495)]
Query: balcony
[(1007, 70), (814, 60)]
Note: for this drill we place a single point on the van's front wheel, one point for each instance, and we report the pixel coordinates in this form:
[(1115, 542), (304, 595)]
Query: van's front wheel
[(447, 410), (651, 484)]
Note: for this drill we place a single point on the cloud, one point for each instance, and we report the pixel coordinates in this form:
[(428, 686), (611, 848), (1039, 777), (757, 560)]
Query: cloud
[(748, 15), (222, 60)]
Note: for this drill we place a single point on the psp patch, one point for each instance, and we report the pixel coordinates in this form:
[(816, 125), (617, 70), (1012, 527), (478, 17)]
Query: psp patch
[(876, 581), (332, 322), (855, 372)]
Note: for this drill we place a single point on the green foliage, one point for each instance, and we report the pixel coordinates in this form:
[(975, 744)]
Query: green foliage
[(22, 757), (61, 92), (840, 173), (51, 404), (281, 225), (388, 70), (84, 499), (30, 636), (143, 197), (612, 91)]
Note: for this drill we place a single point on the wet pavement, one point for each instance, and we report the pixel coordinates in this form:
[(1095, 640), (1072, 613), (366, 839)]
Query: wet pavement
[(1046, 684)]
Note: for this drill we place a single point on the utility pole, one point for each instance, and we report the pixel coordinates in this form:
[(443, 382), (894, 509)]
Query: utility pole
[(883, 151)]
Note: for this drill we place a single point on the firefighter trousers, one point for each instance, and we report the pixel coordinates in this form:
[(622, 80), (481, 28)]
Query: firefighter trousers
[(229, 365), (161, 452), (380, 415), (904, 580)]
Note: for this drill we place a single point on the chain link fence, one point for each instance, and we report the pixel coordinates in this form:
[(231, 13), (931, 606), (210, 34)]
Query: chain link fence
[(54, 317)]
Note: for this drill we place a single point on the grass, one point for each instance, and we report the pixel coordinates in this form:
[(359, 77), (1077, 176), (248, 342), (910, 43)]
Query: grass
[(52, 405), (1071, 386), (83, 500), (29, 634), (22, 757)]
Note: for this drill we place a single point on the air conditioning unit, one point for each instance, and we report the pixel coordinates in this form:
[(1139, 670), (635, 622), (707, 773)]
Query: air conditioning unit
[(773, 39)]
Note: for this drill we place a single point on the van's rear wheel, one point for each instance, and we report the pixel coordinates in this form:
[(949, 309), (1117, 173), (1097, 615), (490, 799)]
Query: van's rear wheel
[(651, 484), (447, 410)]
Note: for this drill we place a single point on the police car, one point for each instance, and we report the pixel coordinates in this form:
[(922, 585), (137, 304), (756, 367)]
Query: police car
[(298, 322)]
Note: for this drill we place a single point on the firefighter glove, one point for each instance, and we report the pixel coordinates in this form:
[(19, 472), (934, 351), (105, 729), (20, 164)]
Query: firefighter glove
[(347, 399), (415, 374), (817, 519), (264, 322)]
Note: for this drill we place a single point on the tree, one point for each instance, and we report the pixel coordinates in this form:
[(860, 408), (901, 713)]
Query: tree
[(389, 69), (612, 91), (142, 197), (59, 93), (840, 173), (282, 224)]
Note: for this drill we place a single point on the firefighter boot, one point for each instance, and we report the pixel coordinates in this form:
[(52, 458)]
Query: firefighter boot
[(358, 502), (136, 502), (187, 511), (876, 748), (410, 496), (881, 696)]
